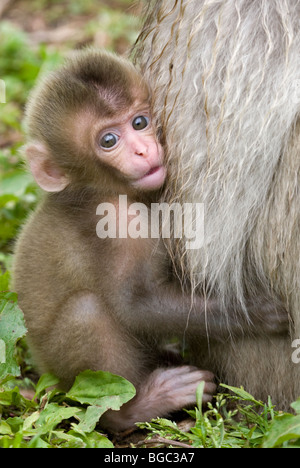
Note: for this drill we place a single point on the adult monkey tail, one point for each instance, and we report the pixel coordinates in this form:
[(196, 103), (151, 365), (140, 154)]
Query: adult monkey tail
[(225, 78)]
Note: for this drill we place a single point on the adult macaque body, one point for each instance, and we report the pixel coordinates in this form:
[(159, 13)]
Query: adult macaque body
[(107, 303), (225, 86)]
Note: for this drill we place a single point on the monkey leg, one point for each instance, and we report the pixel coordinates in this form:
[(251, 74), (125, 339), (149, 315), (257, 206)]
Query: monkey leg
[(86, 336)]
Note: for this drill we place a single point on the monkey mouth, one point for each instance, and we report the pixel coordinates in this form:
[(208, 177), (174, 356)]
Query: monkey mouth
[(152, 171), (153, 179)]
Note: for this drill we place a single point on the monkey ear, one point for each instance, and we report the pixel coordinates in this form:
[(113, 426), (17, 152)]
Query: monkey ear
[(45, 171)]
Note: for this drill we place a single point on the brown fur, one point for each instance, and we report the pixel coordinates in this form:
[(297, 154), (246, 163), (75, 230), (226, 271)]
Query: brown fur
[(225, 78), (110, 303)]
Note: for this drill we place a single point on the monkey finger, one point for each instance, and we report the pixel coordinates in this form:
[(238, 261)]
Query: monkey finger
[(209, 388), (185, 375), (197, 375)]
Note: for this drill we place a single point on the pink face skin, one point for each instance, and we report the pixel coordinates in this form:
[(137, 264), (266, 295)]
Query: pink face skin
[(129, 145)]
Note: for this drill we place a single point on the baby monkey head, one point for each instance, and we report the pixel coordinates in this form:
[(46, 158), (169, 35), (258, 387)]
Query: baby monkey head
[(89, 124)]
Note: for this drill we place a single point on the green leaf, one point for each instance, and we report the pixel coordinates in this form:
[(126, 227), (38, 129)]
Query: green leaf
[(4, 282), (92, 440), (296, 406), (15, 182), (102, 389), (45, 381), (52, 415), (13, 397), (2, 352), (241, 393), (91, 417), (12, 327), (38, 442), (96, 440), (199, 395), (31, 420), (284, 428), (5, 428), (67, 440)]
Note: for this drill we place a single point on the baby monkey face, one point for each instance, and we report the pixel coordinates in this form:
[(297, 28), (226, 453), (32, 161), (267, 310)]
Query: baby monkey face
[(128, 144), (90, 126)]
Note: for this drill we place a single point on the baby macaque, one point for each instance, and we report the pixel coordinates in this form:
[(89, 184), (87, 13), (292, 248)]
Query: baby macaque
[(109, 302)]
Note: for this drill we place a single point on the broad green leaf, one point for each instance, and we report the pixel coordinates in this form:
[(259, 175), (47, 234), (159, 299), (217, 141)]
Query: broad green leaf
[(31, 420), (52, 415), (90, 418), (67, 440), (15, 182), (38, 442), (284, 427), (12, 327), (96, 440), (93, 439), (102, 389), (16, 423), (13, 397), (296, 406), (5, 428)]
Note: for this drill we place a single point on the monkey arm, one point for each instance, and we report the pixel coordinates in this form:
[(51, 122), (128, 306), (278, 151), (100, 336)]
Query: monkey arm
[(165, 308), (145, 302)]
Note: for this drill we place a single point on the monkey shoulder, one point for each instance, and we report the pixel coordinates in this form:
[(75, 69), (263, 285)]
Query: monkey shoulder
[(49, 246), (59, 243)]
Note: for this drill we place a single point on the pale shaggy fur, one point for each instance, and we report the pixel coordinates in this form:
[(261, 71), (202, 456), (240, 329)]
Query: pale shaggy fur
[(225, 76)]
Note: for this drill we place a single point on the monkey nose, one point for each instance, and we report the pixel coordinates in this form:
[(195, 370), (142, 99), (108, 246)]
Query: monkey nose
[(141, 151)]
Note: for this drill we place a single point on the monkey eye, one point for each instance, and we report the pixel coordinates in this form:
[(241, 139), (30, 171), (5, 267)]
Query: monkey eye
[(109, 140), (140, 122)]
